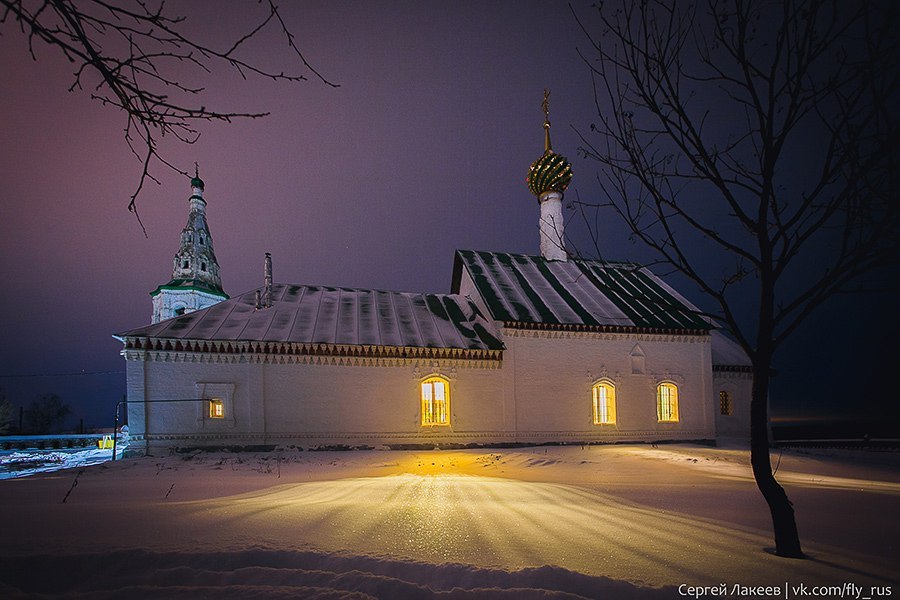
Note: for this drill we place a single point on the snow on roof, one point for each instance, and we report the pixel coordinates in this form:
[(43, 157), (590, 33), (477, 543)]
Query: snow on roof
[(726, 352), (532, 289), (331, 315)]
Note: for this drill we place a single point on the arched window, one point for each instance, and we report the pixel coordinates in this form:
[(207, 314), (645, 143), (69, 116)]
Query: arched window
[(667, 403), (203, 266), (435, 401), (180, 310), (604, 396)]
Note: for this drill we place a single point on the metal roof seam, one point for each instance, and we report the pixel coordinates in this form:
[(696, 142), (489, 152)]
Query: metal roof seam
[(318, 312), (566, 296), (510, 302), (378, 337), (225, 320), (638, 296), (415, 320), (492, 299), (585, 291), (290, 330), (337, 315), (437, 327), (272, 320), (399, 325), (534, 297)]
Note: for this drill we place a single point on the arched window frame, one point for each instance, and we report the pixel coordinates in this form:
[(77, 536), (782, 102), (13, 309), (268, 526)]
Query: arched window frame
[(435, 411), (603, 402), (667, 402)]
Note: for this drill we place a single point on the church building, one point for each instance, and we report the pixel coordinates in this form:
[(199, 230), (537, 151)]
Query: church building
[(523, 350)]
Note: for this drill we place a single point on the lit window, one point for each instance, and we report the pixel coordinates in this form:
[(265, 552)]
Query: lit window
[(435, 401), (216, 409), (724, 403), (667, 403), (604, 394)]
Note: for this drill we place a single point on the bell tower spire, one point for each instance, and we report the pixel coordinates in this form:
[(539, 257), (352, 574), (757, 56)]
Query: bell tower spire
[(195, 282)]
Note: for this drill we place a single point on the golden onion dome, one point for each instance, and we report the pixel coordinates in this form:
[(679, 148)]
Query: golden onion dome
[(551, 172)]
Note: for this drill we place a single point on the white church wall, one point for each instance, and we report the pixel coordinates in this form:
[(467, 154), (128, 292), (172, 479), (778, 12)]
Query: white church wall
[(307, 404), (168, 302), (554, 372), (739, 386), (377, 401), (539, 392)]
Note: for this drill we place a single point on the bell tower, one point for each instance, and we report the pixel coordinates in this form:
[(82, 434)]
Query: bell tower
[(195, 282)]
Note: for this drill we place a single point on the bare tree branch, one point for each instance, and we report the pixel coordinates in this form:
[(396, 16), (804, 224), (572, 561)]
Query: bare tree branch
[(134, 49)]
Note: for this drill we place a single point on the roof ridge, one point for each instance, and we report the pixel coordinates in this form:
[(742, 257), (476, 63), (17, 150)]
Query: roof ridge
[(574, 259)]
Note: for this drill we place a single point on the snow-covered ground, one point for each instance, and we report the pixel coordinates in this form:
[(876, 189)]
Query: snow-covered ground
[(547, 522), (23, 463)]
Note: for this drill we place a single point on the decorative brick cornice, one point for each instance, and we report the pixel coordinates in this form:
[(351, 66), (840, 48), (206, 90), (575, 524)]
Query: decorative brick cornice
[(700, 337), (526, 325), (231, 352)]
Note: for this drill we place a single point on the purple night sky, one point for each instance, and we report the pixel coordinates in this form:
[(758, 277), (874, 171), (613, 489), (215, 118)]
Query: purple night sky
[(422, 149)]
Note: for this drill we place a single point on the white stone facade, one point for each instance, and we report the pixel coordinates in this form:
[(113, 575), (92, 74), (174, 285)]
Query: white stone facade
[(174, 302), (540, 391), (552, 227)]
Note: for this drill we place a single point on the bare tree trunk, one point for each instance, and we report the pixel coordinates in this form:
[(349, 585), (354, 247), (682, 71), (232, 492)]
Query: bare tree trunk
[(787, 540)]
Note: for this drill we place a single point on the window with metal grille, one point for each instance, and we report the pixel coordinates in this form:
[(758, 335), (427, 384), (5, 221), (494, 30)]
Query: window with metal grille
[(667, 403), (724, 403), (435, 401), (604, 400), (216, 409)]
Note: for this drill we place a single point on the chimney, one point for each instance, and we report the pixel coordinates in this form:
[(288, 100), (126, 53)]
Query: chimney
[(264, 298), (267, 291)]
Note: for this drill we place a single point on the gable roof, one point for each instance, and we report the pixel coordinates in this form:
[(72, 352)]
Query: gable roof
[(522, 290), (332, 315)]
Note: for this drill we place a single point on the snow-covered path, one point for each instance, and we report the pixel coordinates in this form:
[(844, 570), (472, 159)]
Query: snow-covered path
[(631, 514)]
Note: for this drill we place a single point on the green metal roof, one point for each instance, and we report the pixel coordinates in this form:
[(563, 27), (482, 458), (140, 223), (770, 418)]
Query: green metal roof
[(532, 290), (190, 284)]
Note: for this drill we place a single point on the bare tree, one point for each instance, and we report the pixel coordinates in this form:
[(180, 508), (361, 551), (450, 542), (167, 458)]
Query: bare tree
[(128, 54), (752, 145), (6, 413), (46, 414)]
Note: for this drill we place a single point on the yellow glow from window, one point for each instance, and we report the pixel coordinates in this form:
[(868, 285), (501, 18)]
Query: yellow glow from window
[(604, 394), (667, 403), (216, 409), (435, 401)]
